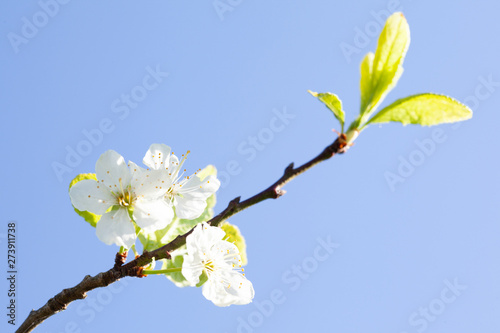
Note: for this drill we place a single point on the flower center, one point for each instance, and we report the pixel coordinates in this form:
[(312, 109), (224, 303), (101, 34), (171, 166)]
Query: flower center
[(209, 266), (170, 193), (212, 273), (125, 199)]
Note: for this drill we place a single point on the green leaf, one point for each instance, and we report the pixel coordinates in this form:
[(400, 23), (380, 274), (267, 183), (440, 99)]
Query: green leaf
[(380, 72), (423, 109), (333, 103), (233, 235), (365, 82), (91, 218), (176, 277), (149, 241)]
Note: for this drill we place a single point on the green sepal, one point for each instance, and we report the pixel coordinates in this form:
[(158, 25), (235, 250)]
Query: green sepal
[(233, 235), (333, 103), (203, 279), (423, 109), (91, 218)]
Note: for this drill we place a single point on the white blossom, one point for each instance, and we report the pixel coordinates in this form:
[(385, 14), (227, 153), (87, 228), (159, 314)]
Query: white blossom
[(118, 191), (187, 194), (220, 260)]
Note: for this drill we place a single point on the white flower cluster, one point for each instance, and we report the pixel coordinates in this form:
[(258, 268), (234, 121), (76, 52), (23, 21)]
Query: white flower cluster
[(144, 196), (129, 197)]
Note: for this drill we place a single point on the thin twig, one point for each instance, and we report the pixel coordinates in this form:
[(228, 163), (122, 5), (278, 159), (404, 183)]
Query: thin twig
[(134, 268)]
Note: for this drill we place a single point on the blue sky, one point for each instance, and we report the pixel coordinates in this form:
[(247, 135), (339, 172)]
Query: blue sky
[(418, 255)]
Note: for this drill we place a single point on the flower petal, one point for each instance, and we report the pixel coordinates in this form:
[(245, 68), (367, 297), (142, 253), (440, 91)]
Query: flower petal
[(189, 208), (239, 286), (203, 238), (150, 183), (112, 171), (91, 196), (135, 169), (197, 188), (157, 157), (215, 291), (192, 268), (116, 227), (225, 254), (173, 167), (152, 215)]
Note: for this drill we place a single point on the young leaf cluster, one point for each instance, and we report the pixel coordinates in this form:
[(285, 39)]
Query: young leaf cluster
[(380, 72)]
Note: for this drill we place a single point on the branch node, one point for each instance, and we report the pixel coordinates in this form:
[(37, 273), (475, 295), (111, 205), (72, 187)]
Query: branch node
[(120, 259), (289, 169), (340, 145), (278, 193), (235, 201), (136, 271), (55, 304), (86, 279)]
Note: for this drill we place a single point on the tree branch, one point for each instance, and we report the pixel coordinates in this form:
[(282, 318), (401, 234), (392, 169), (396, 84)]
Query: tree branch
[(134, 268), (61, 301)]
